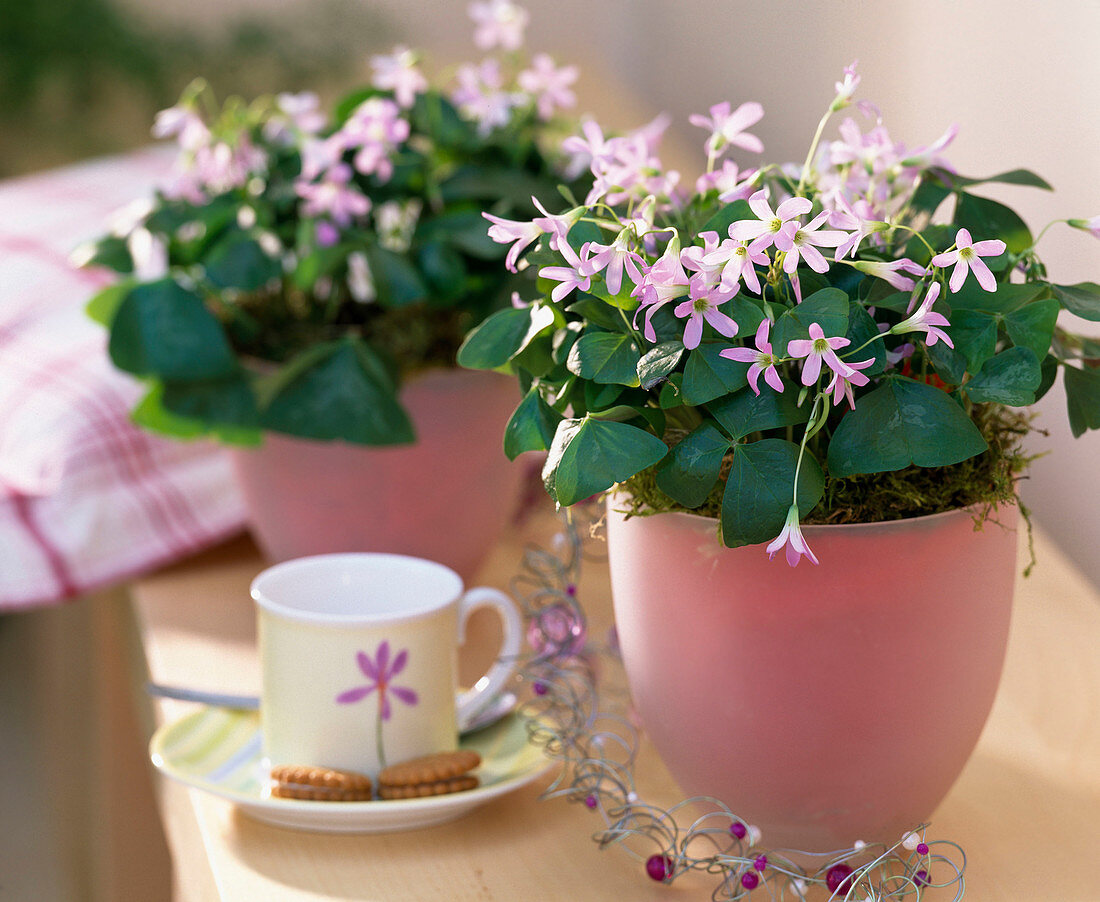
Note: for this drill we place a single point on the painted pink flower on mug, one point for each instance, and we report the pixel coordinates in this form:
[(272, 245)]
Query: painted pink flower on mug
[(380, 671)]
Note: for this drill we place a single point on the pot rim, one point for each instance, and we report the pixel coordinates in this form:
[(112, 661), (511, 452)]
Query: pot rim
[(877, 525)]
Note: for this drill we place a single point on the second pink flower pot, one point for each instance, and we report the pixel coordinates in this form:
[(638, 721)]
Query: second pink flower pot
[(824, 704), (446, 498)]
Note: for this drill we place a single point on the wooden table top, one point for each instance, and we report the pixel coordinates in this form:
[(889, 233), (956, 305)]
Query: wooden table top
[(1025, 809)]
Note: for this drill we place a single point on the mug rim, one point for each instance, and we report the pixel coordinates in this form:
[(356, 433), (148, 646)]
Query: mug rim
[(422, 609)]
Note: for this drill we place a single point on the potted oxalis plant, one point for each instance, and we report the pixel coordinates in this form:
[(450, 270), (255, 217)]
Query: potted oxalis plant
[(308, 278), (830, 358)]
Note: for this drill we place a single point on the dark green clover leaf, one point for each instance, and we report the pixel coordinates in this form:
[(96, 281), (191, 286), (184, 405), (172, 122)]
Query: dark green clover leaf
[(104, 304), (162, 329), (503, 335), (950, 365), (987, 219), (902, 422), (828, 308), (709, 375), (1009, 296), (1011, 377), (760, 489), (861, 331), (1082, 398), (1082, 299), (396, 281), (1032, 326), (153, 414), (745, 412), (608, 358), (658, 362), (228, 402), (588, 456), (237, 261), (340, 390), (974, 335), (691, 468), (532, 425)]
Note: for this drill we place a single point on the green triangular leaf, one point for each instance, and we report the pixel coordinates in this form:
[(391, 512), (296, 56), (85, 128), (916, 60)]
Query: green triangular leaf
[(974, 335), (237, 261), (396, 281), (760, 489), (949, 364), (1082, 299), (828, 308), (338, 391), (861, 331), (532, 425), (162, 329), (690, 470), (709, 375), (220, 403), (1009, 296), (902, 422), (1010, 377), (745, 412), (986, 218), (656, 363), (588, 456), (104, 304), (503, 335), (1012, 177), (726, 216), (1032, 326), (1082, 398), (607, 358)]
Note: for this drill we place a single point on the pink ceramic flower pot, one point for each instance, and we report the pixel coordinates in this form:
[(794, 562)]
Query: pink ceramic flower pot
[(445, 498), (824, 704)]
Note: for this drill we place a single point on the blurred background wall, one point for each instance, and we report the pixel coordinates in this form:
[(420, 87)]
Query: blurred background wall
[(1022, 79)]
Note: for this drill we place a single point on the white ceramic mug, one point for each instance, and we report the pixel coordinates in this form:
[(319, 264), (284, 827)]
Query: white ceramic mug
[(359, 658)]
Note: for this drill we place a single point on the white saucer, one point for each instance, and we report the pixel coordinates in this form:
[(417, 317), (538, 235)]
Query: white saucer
[(217, 750)]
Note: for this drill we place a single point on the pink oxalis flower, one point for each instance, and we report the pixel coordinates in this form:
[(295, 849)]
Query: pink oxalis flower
[(665, 281), (728, 128), (763, 230), (967, 256), (498, 23), (549, 85), (892, 272), (925, 320), (792, 538), (818, 349), (801, 242), (611, 260), (701, 305), (841, 384), (334, 196), (762, 360), (575, 275), (524, 233), (397, 72), (1092, 226)]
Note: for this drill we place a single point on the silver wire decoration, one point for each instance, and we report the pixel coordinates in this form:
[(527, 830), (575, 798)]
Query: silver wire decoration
[(596, 738)]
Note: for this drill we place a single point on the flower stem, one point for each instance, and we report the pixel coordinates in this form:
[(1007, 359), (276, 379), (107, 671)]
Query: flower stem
[(812, 151), (379, 743)]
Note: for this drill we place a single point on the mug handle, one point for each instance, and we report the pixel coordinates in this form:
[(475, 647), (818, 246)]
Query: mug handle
[(473, 701)]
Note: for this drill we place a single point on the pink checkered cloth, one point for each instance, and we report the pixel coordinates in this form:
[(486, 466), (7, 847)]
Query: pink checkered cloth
[(86, 499)]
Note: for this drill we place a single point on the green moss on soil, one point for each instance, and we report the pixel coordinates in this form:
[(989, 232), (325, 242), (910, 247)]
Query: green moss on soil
[(984, 482)]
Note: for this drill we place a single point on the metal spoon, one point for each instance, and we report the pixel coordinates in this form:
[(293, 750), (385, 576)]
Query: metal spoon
[(490, 714)]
